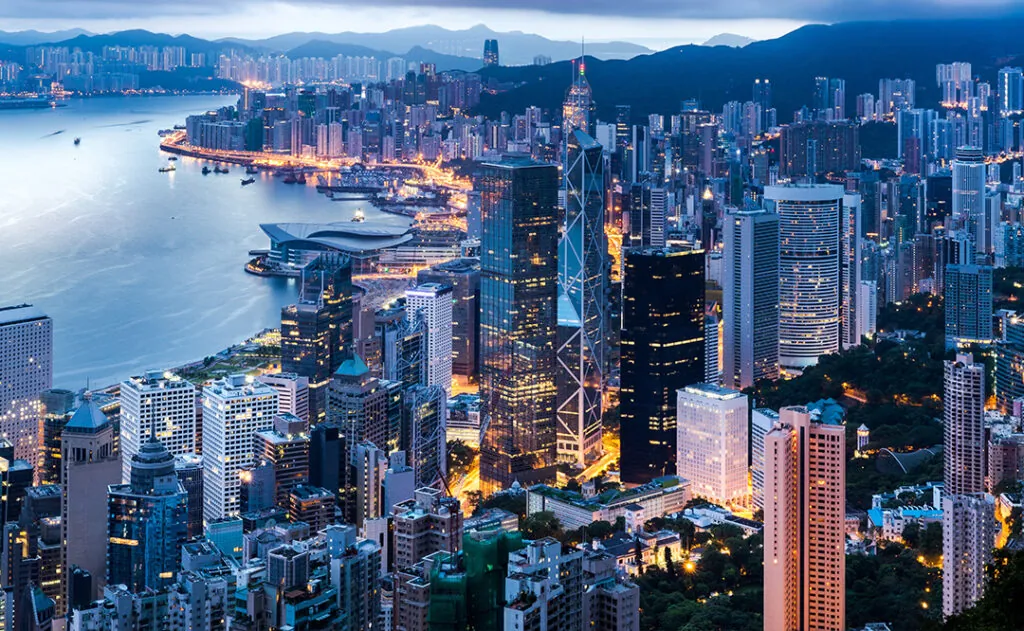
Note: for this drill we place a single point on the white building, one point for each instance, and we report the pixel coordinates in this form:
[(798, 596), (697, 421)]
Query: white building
[(434, 301), (292, 393), (711, 442), (968, 210), (26, 369), (233, 410), (162, 399), (867, 308), (811, 236), (750, 298), (969, 531), (761, 422)]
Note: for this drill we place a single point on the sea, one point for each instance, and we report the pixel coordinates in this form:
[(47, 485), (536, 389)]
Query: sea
[(139, 270)]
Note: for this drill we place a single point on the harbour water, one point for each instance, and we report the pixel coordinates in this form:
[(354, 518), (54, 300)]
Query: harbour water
[(138, 269)]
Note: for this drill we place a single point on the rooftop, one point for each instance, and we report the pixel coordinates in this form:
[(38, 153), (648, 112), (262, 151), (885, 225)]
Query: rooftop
[(17, 314), (343, 236), (713, 391)]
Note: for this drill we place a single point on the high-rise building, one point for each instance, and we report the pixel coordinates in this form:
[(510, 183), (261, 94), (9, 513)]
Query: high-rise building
[(968, 531), (582, 305), (423, 434), (189, 469), (811, 237), (518, 321), (662, 351), (750, 297), (147, 522), (57, 407), (285, 446), (90, 463), (761, 422), (233, 410), (433, 301), (968, 209), (968, 305), (544, 588), (306, 350), (804, 514), (578, 106), (355, 573), (712, 442), (26, 369), (491, 57), (809, 149), (1010, 86), (364, 408), (159, 399), (463, 275), (292, 392)]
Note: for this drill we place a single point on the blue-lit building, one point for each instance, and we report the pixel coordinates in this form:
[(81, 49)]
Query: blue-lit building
[(147, 522)]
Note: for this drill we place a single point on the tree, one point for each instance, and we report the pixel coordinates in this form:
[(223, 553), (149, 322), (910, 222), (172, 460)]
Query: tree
[(911, 534), (931, 540), (541, 525), (670, 566), (999, 609)]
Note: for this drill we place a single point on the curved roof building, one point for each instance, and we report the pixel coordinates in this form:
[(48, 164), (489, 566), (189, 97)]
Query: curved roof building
[(287, 240)]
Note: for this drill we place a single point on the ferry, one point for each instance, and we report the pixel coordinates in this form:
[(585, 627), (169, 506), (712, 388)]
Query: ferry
[(173, 158), (219, 169), (167, 169), (359, 216), (248, 181)]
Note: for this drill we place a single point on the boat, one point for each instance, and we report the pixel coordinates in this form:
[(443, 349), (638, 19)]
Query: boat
[(359, 216), (251, 170), (167, 169), (290, 179), (173, 158), (248, 181), (220, 169), (206, 170), (78, 141), (301, 179)]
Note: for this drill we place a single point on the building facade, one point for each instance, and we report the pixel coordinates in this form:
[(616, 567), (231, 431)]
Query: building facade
[(712, 442), (162, 399), (26, 369)]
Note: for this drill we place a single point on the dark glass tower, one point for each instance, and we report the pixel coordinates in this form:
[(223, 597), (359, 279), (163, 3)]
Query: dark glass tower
[(662, 351), (491, 57), (306, 350), (518, 295), (146, 522)]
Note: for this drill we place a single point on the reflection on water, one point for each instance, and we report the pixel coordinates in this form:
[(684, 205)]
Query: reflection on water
[(138, 269)]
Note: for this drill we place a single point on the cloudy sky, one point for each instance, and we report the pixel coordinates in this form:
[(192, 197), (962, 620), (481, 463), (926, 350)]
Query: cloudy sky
[(653, 22)]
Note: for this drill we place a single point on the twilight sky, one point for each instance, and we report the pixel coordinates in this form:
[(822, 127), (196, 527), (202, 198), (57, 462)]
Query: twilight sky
[(656, 23)]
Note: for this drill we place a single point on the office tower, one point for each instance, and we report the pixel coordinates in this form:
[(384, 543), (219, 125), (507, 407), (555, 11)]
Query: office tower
[(491, 57), (804, 513), (159, 399), (257, 491), (968, 209), (147, 522), (19, 574), (712, 337), (285, 446), (89, 464), (423, 434), (838, 150), (41, 515), (811, 235), (306, 350), (463, 275), (662, 351), (233, 410), (578, 106), (328, 460), (16, 478), (582, 307), (189, 469), (369, 466), (761, 422), (57, 406), (292, 392), (364, 408), (968, 305), (428, 523), (312, 505), (26, 369), (850, 269), (433, 301), (518, 318), (750, 297), (712, 443), (1010, 86)]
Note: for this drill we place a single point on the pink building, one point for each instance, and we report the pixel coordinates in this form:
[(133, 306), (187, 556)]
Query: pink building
[(804, 514)]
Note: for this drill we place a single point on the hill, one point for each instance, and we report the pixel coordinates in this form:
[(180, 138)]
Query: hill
[(31, 38), (859, 52), (729, 39)]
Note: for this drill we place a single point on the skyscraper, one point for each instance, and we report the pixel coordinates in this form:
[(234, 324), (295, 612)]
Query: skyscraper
[(1010, 86), (464, 277), (968, 304), (233, 410), (26, 369), (491, 57), (146, 522), (968, 528), (363, 408), (285, 446), (306, 350), (810, 270), (968, 210), (711, 443), (750, 297), (434, 302), (57, 407), (582, 310), (578, 107), (518, 295), (423, 434), (662, 351), (89, 464), (292, 392), (162, 399), (804, 513)]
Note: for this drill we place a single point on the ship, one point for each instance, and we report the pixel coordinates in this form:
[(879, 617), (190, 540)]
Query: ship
[(359, 216), (206, 170), (248, 181), (167, 169), (290, 179), (173, 158), (219, 169), (251, 170), (301, 179), (78, 141)]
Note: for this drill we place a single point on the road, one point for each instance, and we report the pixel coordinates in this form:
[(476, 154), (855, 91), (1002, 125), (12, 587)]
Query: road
[(610, 442)]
